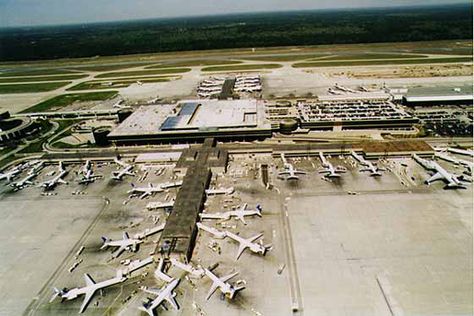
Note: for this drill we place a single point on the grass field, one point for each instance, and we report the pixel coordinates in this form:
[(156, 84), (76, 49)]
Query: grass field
[(242, 67), (110, 67), (89, 85), (197, 62), (39, 79), (286, 57), (144, 72), (36, 72), (31, 87), (381, 62), (372, 56), (67, 99)]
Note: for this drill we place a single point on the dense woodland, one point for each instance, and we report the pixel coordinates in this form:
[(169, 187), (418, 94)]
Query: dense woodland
[(234, 31)]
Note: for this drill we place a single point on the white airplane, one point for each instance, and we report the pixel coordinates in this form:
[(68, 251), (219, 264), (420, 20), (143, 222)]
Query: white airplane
[(239, 214), (23, 183), (160, 205), (332, 91), (10, 175), (461, 151), (291, 172), (368, 166), (249, 243), (328, 169), (289, 169), (453, 181), (127, 170), (218, 191), (151, 189), (221, 283), (88, 175), (166, 293), (89, 290), (52, 183), (126, 243)]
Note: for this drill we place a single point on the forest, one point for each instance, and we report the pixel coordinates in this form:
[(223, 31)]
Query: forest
[(238, 31)]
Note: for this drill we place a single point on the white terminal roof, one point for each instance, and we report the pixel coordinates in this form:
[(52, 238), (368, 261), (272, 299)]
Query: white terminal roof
[(194, 115)]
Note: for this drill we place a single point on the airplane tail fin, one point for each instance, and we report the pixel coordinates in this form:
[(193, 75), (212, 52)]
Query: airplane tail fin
[(104, 240), (57, 293), (258, 208)]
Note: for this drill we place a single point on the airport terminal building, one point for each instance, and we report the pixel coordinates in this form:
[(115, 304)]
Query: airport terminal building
[(193, 121)]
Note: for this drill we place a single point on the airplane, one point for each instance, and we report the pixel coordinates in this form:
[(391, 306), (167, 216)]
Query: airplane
[(127, 170), (368, 166), (453, 181), (160, 205), (248, 243), (221, 283), (328, 168), (217, 191), (52, 183), (332, 91), (21, 184), (166, 293), (10, 175), (126, 243), (151, 190), (461, 151), (239, 214), (89, 290), (291, 172), (88, 174)]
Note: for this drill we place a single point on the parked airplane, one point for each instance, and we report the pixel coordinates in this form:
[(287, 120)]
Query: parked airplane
[(127, 170), (151, 190), (89, 290), (166, 293), (26, 181), (126, 243), (160, 205), (52, 183), (221, 283), (367, 165), (239, 214), (217, 191), (249, 243), (291, 172), (332, 91), (88, 175), (453, 181), (10, 175), (328, 169)]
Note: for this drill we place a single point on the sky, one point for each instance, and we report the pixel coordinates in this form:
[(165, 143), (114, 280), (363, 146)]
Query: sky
[(50, 12)]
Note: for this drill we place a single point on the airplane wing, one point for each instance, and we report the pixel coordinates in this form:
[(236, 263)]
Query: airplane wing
[(62, 181), (435, 177), (211, 290), (170, 299), (86, 301), (119, 251), (252, 239), (241, 218), (240, 251), (228, 277), (88, 279), (283, 173), (144, 195), (125, 236)]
